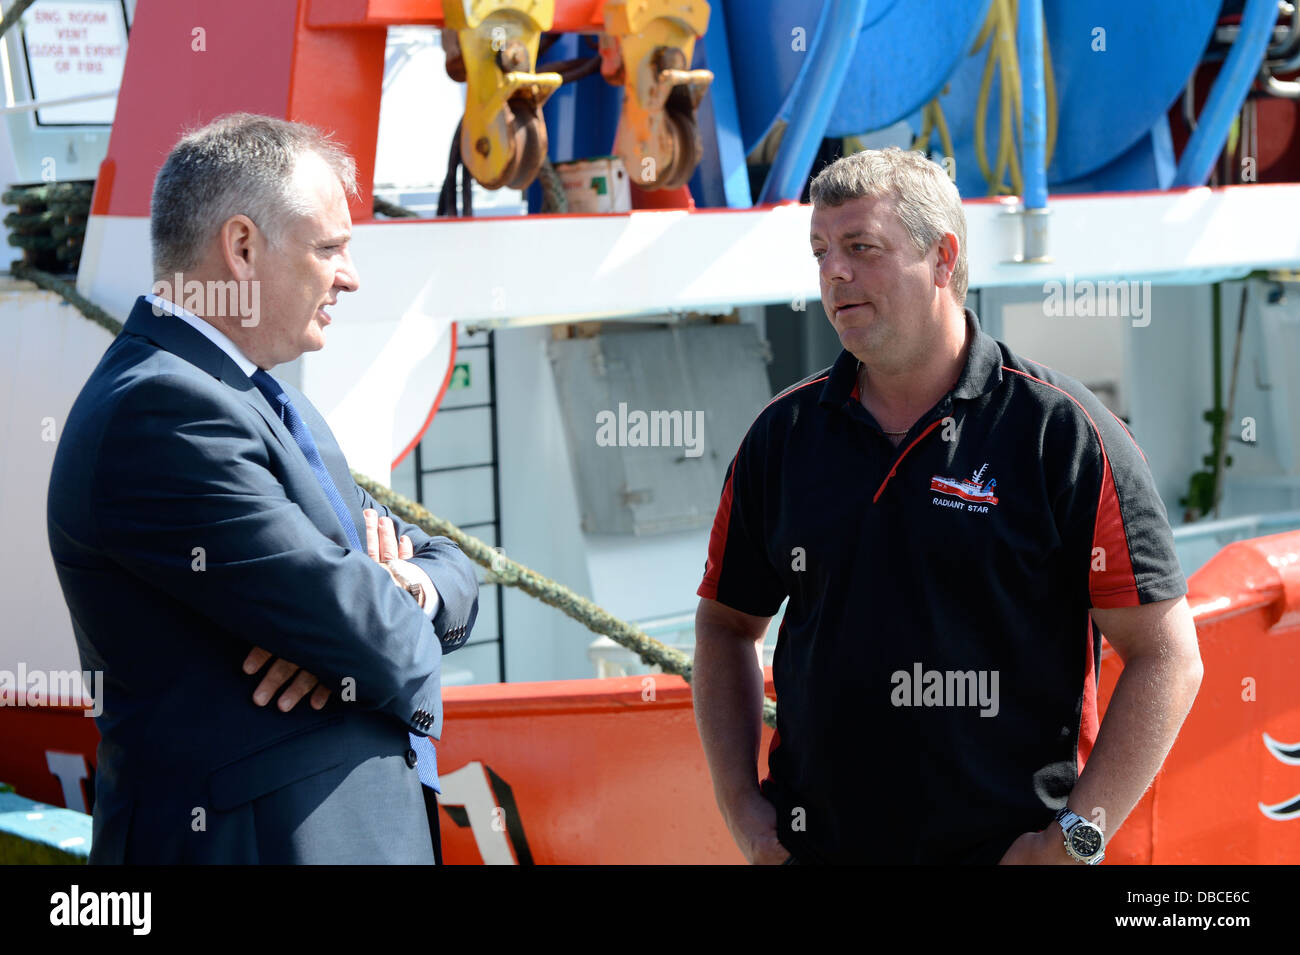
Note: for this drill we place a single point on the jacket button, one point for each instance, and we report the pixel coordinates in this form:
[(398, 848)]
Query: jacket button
[(411, 758)]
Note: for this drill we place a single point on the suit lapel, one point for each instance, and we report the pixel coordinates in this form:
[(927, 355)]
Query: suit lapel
[(178, 337)]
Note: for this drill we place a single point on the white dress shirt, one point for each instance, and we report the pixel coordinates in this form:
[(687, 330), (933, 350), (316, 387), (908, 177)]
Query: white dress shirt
[(219, 338)]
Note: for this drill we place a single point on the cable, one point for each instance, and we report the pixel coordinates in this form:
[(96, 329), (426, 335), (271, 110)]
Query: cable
[(547, 41), (447, 197), (999, 34), (572, 70), (933, 118)]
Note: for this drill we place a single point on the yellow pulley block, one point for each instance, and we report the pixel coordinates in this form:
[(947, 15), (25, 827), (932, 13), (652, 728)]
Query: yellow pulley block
[(494, 51), (646, 48)]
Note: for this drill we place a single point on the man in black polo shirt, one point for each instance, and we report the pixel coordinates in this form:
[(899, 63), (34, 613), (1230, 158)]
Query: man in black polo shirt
[(954, 526)]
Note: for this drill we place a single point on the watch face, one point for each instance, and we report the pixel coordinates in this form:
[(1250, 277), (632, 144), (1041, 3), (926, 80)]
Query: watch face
[(1086, 840)]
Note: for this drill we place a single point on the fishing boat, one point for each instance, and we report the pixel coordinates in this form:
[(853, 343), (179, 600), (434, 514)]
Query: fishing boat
[(973, 488), (575, 212)]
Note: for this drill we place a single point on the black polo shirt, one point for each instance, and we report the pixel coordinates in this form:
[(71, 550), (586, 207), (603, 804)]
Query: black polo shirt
[(936, 670)]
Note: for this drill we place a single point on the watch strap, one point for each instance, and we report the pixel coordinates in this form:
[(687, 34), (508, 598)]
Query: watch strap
[(1069, 821), (413, 587)]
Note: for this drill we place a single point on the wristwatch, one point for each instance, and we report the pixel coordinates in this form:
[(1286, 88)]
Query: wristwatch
[(414, 588), (1084, 842)]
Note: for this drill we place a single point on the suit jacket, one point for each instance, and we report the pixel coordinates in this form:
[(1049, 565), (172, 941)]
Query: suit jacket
[(186, 527)]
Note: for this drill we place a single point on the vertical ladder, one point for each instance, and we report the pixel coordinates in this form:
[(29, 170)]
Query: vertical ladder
[(455, 474)]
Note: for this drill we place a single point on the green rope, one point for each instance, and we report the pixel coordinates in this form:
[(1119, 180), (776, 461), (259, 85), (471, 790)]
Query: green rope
[(514, 574), (393, 210), (68, 230), (73, 192), (34, 220), (554, 198), (70, 294), (16, 11), (34, 243), (503, 570), (50, 222)]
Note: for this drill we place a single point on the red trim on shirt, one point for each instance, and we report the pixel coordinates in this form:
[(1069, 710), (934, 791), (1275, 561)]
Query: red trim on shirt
[(1129, 433), (1089, 722), (771, 748), (894, 469), (792, 391), (722, 520), (1112, 414), (1113, 584), (718, 542)]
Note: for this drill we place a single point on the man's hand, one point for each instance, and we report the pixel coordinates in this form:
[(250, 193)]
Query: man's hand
[(753, 826), (728, 695), (278, 676), (382, 545), (381, 541), (1039, 848)]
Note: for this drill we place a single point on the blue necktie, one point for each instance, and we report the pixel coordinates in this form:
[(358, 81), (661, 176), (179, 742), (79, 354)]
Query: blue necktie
[(426, 757)]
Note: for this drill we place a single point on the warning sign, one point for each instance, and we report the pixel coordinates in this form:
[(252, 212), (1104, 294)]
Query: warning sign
[(75, 47)]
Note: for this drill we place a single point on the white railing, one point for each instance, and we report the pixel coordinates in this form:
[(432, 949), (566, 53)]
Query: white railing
[(1196, 543), (676, 630)]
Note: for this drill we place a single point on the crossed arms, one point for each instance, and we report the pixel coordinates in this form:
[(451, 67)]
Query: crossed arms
[(270, 577), (382, 546)]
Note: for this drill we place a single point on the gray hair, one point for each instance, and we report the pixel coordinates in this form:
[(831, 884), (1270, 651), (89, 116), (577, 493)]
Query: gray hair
[(924, 196), (241, 163)]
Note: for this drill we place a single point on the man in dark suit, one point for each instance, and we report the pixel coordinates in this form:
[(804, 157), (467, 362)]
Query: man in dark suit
[(202, 519)]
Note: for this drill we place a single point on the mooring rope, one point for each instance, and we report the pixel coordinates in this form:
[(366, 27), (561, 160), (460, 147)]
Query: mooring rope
[(502, 569)]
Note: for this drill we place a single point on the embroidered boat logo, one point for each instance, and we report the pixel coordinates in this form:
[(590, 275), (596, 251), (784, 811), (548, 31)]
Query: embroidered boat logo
[(974, 490)]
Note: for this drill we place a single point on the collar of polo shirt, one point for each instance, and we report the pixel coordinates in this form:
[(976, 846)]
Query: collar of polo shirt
[(981, 374)]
